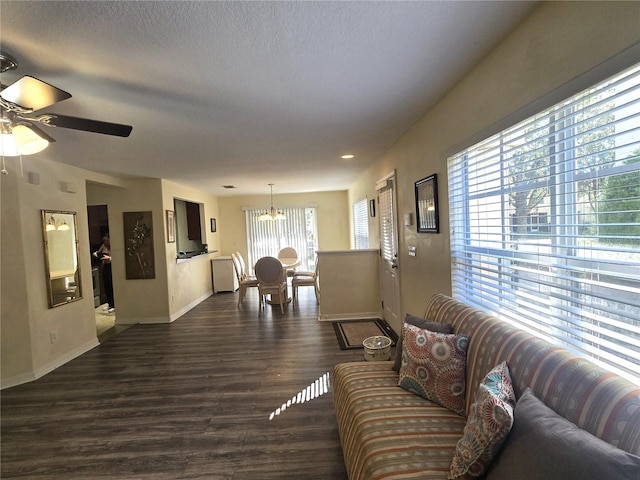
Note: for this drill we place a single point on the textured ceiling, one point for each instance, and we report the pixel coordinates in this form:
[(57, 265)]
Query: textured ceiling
[(247, 93)]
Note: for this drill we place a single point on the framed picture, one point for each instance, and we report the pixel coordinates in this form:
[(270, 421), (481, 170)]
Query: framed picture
[(427, 204), (171, 226), (139, 259), (372, 207), (213, 225)]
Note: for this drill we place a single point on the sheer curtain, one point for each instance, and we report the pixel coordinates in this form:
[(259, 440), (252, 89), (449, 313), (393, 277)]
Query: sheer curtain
[(299, 231)]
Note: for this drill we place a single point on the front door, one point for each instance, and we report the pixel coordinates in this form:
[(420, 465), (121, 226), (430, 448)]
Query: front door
[(389, 274)]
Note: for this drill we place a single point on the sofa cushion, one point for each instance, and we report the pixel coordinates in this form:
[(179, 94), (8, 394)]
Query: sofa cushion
[(387, 432), (422, 323), (544, 445), (433, 366), (489, 422)]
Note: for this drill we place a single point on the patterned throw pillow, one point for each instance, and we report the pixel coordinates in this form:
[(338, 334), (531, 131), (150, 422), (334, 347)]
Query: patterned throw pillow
[(422, 323), (487, 427), (434, 365)]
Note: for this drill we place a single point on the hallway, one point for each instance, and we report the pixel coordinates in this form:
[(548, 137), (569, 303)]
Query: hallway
[(106, 324)]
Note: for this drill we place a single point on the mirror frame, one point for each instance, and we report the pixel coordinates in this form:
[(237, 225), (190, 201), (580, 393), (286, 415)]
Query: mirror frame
[(47, 215)]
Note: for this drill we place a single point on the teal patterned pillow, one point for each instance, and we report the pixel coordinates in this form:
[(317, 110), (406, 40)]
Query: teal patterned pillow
[(434, 366), (488, 425)]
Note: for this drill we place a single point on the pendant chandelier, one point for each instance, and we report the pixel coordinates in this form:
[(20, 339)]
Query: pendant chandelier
[(272, 213)]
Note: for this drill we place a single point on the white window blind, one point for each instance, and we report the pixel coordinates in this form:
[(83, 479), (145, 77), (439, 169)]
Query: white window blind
[(387, 240), (299, 230), (361, 224), (545, 224)]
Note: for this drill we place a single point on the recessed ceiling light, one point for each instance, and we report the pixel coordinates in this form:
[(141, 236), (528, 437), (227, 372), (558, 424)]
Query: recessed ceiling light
[(347, 156)]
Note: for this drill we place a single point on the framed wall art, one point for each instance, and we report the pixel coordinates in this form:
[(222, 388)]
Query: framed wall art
[(139, 260), (427, 205), (213, 225)]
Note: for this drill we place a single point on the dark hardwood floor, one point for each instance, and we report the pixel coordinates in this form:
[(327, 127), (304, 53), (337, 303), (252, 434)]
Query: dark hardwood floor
[(190, 399)]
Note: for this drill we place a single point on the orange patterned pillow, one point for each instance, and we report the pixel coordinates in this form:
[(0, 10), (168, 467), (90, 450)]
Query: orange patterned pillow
[(434, 365)]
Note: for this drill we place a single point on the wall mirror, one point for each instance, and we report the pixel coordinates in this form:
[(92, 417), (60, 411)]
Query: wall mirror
[(60, 233)]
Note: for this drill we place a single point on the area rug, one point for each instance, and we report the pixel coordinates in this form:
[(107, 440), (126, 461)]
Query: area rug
[(351, 333)]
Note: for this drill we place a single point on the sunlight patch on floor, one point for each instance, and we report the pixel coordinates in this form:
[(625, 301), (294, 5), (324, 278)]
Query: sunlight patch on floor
[(312, 391)]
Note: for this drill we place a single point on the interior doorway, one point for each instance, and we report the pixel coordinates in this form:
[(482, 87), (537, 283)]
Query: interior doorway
[(98, 220)]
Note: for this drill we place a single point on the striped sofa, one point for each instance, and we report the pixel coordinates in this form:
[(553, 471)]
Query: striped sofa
[(389, 433)]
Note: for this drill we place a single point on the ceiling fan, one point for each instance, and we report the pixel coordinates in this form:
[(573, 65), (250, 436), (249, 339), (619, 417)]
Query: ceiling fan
[(20, 123)]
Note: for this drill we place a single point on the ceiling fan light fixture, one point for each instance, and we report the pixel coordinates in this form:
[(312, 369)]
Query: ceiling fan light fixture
[(28, 140), (8, 146), (7, 62)]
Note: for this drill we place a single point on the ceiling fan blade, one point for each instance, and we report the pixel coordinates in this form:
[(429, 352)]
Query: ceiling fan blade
[(86, 125), (34, 94)]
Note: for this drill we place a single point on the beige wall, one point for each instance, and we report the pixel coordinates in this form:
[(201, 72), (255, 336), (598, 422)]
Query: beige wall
[(27, 351), (557, 51), (333, 218), (349, 284), (189, 282)]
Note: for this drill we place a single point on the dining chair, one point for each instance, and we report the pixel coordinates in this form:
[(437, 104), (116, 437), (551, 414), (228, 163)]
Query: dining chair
[(242, 264), (291, 256), (244, 280), (272, 281), (306, 279)]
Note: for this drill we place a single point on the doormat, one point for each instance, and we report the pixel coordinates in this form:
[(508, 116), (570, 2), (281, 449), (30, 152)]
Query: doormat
[(351, 333)]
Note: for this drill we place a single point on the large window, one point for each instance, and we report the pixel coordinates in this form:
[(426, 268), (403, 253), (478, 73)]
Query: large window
[(545, 224), (361, 224), (299, 230)]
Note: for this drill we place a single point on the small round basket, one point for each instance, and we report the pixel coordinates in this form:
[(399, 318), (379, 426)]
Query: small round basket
[(377, 349)]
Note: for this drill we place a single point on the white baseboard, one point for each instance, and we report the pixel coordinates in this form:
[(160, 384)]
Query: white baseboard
[(49, 367), (169, 319), (184, 310)]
